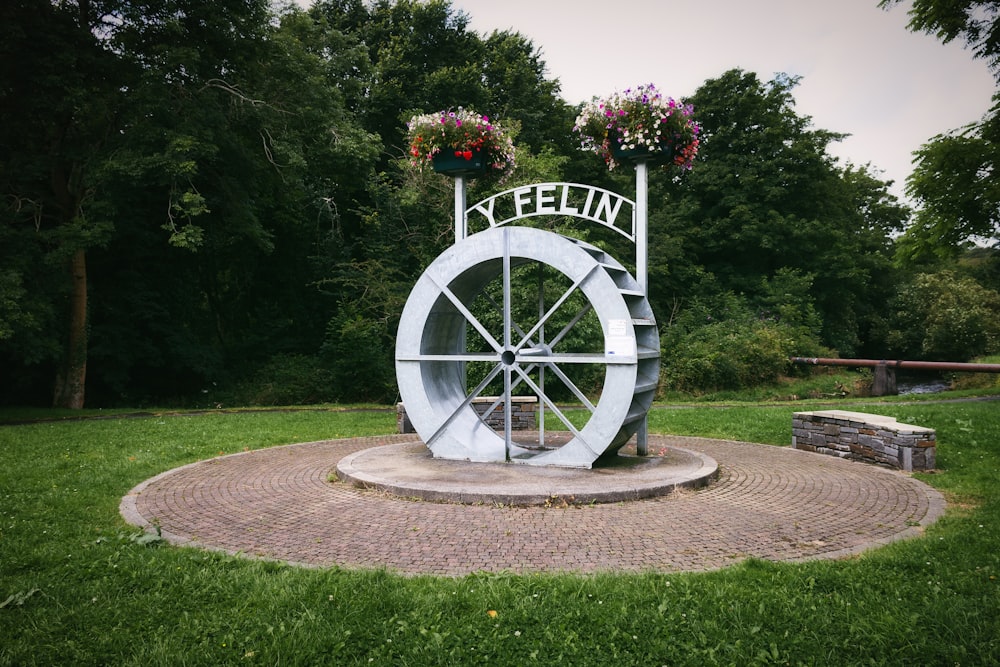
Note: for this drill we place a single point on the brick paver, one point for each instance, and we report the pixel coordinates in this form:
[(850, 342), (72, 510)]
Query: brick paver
[(769, 502)]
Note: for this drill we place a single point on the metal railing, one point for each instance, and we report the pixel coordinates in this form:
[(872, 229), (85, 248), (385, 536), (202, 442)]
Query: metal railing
[(884, 382), (942, 366)]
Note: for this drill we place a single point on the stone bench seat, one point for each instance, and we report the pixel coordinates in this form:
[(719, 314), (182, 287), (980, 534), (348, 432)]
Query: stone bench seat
[(865, 437)]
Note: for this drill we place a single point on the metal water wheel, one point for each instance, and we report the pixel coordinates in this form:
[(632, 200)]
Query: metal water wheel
[(517, 310)]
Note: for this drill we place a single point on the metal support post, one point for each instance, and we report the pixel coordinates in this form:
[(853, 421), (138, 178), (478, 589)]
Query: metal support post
[(641, 271), (460, 230), (641, 224)]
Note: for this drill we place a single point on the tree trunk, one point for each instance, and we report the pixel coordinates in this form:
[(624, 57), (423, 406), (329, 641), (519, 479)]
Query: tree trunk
[(71, 379)]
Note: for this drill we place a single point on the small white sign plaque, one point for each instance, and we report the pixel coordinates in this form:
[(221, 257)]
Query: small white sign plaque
[(619, 346)]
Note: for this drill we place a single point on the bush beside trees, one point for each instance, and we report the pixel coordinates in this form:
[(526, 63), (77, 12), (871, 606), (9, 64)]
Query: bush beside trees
[(945, 316)]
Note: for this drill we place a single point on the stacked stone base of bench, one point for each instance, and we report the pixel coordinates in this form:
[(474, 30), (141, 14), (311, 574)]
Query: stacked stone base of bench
[(522, 413), (865, 437)]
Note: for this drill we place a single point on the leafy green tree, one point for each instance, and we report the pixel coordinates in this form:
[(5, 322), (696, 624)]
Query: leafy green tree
[(60, 91), (422, 56), (982, 265), (945, 317), (514, 75), (976, 22), (955, 181), (766, 202), (278, 161), (956, 187), (241, 216), (193, 155)]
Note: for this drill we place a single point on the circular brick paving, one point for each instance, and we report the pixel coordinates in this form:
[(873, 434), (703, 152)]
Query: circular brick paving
[(768, 502)]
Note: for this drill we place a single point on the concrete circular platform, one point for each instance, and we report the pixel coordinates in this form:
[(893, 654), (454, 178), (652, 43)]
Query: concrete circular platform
[(409, 470), (774, 503)]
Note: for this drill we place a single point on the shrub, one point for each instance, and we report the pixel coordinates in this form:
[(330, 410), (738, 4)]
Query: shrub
[(288, 379), (978, 380), (946, 317), (734, 354), (358, 350)]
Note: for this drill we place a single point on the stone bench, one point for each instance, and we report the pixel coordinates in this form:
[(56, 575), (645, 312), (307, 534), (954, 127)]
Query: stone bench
[(522, 413), (865, 437)]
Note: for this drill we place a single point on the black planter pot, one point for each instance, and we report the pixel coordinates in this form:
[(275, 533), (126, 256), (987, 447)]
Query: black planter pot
[(459, 163)]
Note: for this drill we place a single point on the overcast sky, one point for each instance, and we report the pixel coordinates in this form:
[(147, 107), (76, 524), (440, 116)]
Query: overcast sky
[(863, 73)]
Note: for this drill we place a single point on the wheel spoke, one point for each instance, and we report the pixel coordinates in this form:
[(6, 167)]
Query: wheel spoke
[(499, 308), (572, 323), (577, 358), (506, 290), (515, 382), (571, 386), (467, 356), (541, 341), (552, 406), (507, 320), (555, 307), (477, 325), (507, 436)]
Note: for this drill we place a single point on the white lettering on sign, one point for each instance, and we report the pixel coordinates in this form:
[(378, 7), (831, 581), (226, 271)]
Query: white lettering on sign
[(610, 210), (488, 211), (571, 199), (521, 200), (542, 199), (586, 206)]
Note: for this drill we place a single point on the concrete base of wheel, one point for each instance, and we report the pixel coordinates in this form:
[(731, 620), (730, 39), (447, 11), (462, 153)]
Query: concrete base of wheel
[(410, 471)]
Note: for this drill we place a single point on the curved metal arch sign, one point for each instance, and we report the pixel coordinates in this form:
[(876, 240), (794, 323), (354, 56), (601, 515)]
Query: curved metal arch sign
[(570, 199)]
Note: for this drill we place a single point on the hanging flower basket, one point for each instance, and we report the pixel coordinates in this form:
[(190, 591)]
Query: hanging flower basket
[(458, 143), (638, 124)]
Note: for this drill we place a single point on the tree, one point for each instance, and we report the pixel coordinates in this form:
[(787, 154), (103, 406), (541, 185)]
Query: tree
[(956, 178), (945, 316), (275, 160), (764, 201), (976, 22), (208, 183), (956, 183), (182, 143), (514, 77), (60, 90), (422, 57)]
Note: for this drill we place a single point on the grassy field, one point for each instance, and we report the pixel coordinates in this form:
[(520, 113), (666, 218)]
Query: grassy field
[(80, 587)]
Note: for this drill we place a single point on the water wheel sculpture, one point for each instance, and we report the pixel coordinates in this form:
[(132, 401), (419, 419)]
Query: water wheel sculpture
[(518, 310)]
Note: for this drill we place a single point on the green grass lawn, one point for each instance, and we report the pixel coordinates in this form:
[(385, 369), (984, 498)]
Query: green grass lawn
[(80, 587)]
